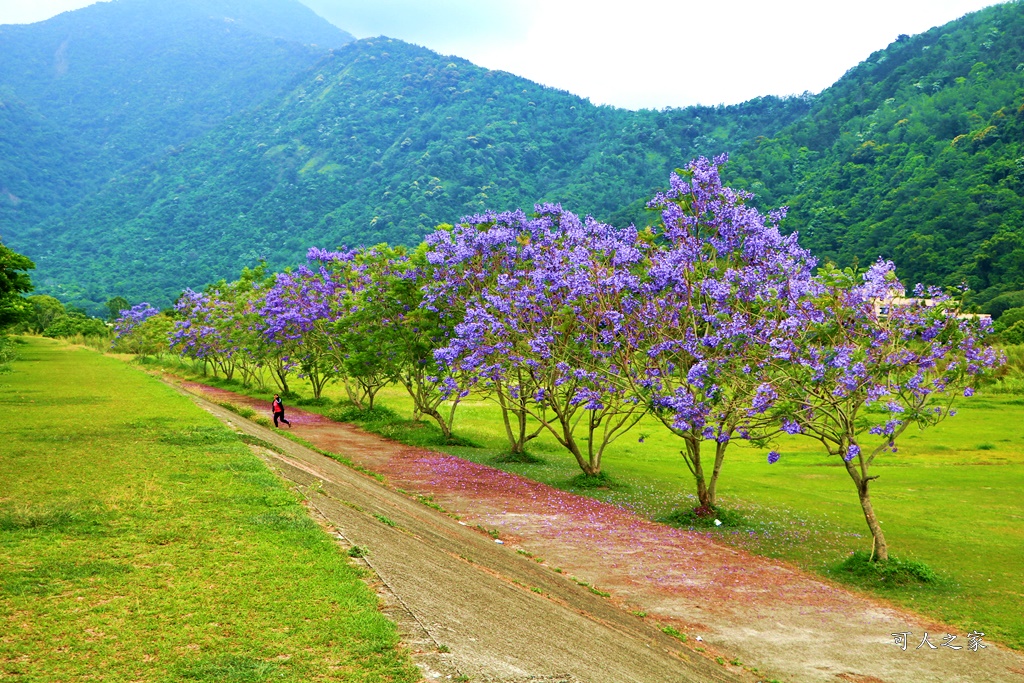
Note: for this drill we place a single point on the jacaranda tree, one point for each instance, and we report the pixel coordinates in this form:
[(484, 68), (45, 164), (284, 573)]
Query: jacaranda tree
[(543, 300), (299, 312), (203, 331), (141, 330), (866, 364), (721, 287)]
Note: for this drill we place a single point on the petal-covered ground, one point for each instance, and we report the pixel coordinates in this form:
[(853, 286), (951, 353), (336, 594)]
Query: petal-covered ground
[(763, 613)]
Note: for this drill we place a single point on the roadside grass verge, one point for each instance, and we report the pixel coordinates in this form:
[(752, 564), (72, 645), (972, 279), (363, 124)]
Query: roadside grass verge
[(141, 540), (950, 496)]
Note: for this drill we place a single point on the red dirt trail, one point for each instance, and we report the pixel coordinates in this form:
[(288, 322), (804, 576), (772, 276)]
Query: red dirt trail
[(764, 613)]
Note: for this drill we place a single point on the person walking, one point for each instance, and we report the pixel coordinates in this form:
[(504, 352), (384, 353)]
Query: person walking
[(278, 407)]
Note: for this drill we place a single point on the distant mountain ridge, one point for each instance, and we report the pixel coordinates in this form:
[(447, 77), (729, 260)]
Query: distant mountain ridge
[(380, 142), (118, 83), (914, 155)]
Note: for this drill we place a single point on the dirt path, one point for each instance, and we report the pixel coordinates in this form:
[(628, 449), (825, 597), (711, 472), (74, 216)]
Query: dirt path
[(765, 614)]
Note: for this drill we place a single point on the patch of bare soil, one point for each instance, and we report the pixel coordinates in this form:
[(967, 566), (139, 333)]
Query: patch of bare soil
[(746, 609)]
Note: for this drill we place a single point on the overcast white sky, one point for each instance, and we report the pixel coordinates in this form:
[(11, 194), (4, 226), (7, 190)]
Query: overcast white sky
[(634, 53)]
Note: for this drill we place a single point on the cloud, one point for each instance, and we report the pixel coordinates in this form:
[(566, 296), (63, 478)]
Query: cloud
[(434, 23), (31, 11), (640, 53)]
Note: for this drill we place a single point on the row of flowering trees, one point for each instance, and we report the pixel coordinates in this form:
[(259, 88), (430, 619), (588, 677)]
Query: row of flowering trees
[(713, 322)]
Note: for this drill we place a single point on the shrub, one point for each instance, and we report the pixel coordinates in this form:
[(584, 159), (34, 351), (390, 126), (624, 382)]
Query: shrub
[(1013, 334), (704, 517), (1009, 317), (1003, 303), (75, 323), (894, 571)]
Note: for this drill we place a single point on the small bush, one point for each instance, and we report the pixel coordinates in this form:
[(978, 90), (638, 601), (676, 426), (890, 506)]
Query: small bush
[(704, 517), (348, 412), (322, 401), (893, 572), (524, 458), (600, 481), (357, 551)]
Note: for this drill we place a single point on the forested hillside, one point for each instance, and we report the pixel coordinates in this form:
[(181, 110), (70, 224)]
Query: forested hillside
[(915, 154), (88, 93), (381, 142)]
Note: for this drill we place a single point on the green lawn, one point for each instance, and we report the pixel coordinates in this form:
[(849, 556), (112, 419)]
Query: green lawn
[(951, 498), (142, 541)]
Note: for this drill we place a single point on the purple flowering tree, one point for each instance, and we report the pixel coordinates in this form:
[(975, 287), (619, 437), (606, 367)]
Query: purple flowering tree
[(466, 260), (255, 355), (545, 300), (867, 363), (141, 330), (721, 288), (361, 346), (299, 313), (202, 331), (391, 316)]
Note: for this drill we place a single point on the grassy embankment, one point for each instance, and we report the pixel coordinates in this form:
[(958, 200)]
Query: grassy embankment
[(949, 498), (141, 540)]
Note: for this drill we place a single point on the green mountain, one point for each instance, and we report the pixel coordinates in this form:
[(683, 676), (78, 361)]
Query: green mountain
[(380, 142), (914, 155), (116, 84)]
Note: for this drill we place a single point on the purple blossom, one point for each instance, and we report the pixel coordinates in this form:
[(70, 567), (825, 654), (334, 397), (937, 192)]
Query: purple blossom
[(773, 457)]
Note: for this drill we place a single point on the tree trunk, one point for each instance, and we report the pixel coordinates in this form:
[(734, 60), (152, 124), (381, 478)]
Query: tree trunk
[(586, 464), (719, 459), (353, 395), (281, 376), (516, 434), (446, 429), (881, 550), (691, 455)]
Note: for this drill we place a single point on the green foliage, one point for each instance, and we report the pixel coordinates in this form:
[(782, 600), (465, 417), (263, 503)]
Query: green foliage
[(1003, 303), (149, 338), (44, 311), (861, 568), (73, 324), (705, 518), (114, 307), (91, 93), (668, 630), (8, 353), (14, 282), (1009, 317), (1014, 334)]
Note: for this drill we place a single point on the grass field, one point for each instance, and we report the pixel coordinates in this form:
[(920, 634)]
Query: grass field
[(142, 541), (951, 498)]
